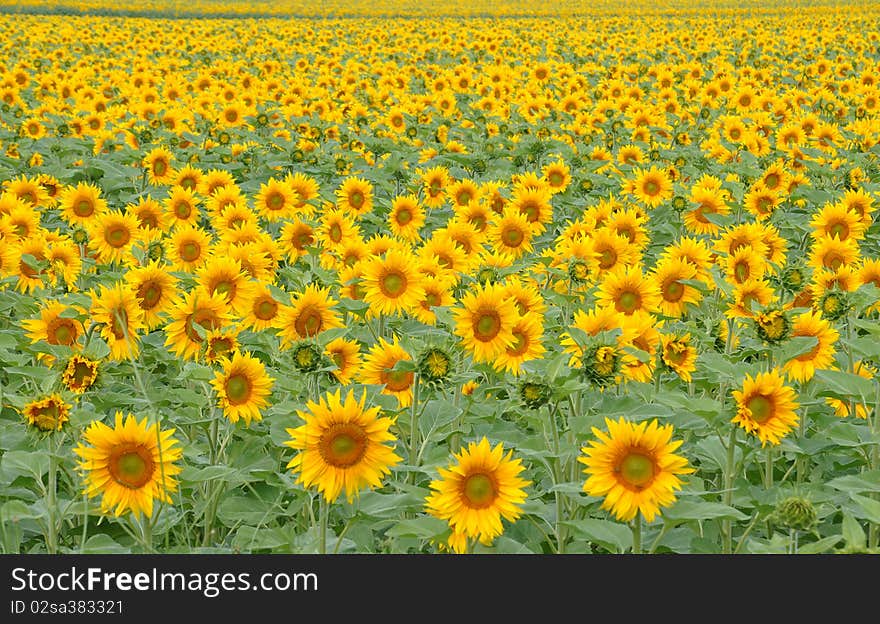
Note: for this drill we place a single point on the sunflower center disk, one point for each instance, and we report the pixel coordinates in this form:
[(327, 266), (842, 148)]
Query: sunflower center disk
[(674, 291), (761, 408), (397, 381), (149, 295), (190, 251), (83, 208), (393, 284), (404, 217), (237, 389), (628, 302), (513, 237), (343, 445), (487, 326), (64, 334), (479, 491), (266, 310), (309, 322), (840, 230), (131, 466), (637, 470)]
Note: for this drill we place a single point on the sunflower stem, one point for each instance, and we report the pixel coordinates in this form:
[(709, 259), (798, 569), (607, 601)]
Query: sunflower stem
[(802, 433), (414, 427), (323, 513), (637, 534), (768, 469), (874, 528), (727, 526), (558, 470), (52, 505)]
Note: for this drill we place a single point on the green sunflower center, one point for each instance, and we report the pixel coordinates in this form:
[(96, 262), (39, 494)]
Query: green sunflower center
[(83, 208), (487, 326), (343, 445), (637, 470), (238, 389), (393, 284), (761, 408), (131, 465), (628, 302), (479, 491)]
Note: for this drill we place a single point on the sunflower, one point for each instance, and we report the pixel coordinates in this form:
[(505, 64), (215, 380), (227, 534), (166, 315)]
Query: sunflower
[(79, 374), (196, 308), (835, 220), (149, 214), (482, 487), (860, 202), (221, 344), (112, 235), (761, 201), (335, 228), (527, 333), (377, 368), (558, 176), (355, 196), (306, 190), (628, 291), (345, 354), (437, 293), (609, 251), (748, 297), (599, 319), (391, 283), (406, 217), (810, 323), (157, 163), (9, 258), (276, 200), (462, 192), (47, 414), (652, 187), (54, 328), (295, 237), (511, 234), (263, 310), (342, 445), (130, 465), (634, 466), (22, 219), (117, 310), (766, 406), (181, 207), (676, 296), (484, 320), (831, 252), (640, 332), (534, 204), (709, 200), (435, 181), (188, 248), (224, 275), (310, 313), (31, 276), (213, 180), (242, 387), (745, 264), (80, 204), (678, 354)]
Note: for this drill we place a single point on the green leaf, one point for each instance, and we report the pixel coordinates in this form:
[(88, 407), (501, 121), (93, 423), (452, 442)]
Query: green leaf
[(842, 385), (612, 536), (102, 544), (853, 533), (31, 463), (870, 508), (823, 545), (865, 482), (426, 527), (797, 345), (702, 510)]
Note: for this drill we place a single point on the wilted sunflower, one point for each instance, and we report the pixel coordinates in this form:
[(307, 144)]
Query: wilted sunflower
[(342, 446), (476, 492), (377, 369), (130, 465), (345, 354), (189, 310), (242, 387), (766, 406), (634, 467), (117, 310), (679, 354), (79, 373), (52, 327), (47, 414)]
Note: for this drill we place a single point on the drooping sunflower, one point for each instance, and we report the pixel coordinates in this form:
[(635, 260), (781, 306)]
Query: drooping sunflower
[(346, 355), (766, 406), (130, 465), (634, 466), (117, 310), (80, 373), (484, 320), (195, 308), (804, 366), (154, 289), (52, 327), (355, 196), (310, 313), (49, 413), (377, 368), (342, 446), (391, 283), (678, 354), (476, 492), (242, 387), (528, 331)]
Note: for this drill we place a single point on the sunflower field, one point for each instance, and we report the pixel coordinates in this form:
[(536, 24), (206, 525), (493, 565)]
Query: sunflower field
[(296, 277)]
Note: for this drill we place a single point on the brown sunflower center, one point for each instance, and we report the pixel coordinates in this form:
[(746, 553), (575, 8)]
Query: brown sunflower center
[(479, 491), (741, 271), (531, 210), (520, 344), (607, 258), (266, 309), (771, 181), (651, 188), (760, 407), (61, 332), (82, 374), (118, 323), (131, 465), (396, 381), (513, 237), (238, 389), (343, 445), (149, 295), (275, 201), (556, 179), (393, 284), (335, 233), (487, 325), (83, 208), (160, 167), (636, 469), (204, 318), (673, 291), (182, 209), (356, 199), (190, 251), (117, 236), (309, 322), (840, 230), (403, 216)]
